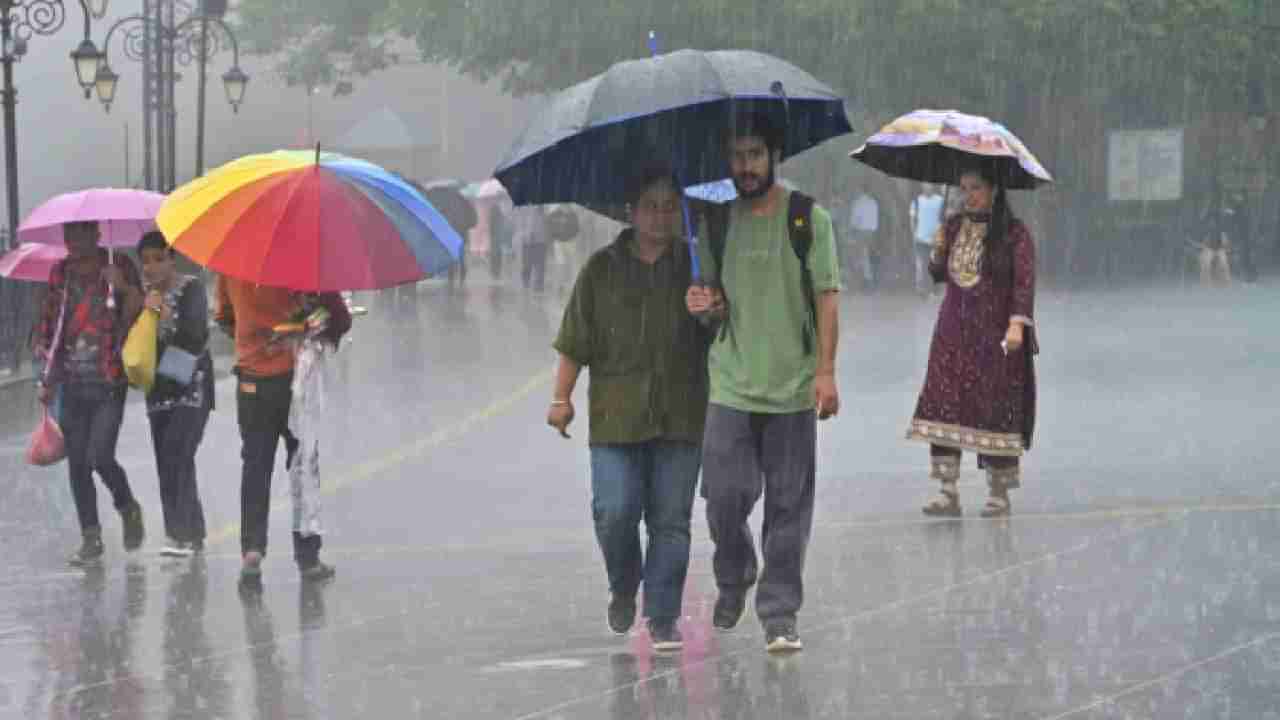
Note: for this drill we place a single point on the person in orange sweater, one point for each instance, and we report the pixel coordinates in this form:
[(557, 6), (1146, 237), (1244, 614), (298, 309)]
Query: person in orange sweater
[(249, 313)]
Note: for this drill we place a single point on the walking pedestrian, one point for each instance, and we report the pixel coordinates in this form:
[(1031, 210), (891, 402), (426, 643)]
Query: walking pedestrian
[(499, 239), (626, 321), (93, 299), (864, 222), (770, 261), (531, 236), (265, 368), (926, 220), (562, 230), (979, 392), (179, 403)]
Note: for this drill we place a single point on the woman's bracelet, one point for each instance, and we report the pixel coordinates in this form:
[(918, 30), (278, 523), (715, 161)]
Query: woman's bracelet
[(559, 402)]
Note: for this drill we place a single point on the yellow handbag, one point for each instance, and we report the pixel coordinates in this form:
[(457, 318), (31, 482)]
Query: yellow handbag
[(139, 352)]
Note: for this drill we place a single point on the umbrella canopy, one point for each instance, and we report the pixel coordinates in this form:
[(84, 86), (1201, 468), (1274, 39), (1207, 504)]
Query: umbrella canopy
[(123, 215), (682, 103), (31, 261), (309, 221), (934, 145), (447, 197)]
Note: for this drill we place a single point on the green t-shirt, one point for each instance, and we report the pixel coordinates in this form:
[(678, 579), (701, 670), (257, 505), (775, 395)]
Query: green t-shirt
[(759, 363)]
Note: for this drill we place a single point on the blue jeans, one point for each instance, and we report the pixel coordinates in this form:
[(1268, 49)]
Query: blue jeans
[(653, 480)]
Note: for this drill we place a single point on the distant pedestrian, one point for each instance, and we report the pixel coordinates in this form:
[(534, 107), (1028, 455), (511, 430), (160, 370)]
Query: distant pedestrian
[(562, 230), (1222, 228), (864, 222), (927, 214), (499, 240), (531, 236)]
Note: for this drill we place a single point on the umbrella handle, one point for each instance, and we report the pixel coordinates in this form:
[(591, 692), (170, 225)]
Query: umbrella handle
[(111, 290), (695, 264)]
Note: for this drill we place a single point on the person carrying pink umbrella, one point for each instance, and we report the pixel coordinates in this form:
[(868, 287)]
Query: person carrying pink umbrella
[(94, 297)]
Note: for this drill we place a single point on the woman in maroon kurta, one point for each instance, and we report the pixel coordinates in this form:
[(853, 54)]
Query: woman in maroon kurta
[(979, 393)]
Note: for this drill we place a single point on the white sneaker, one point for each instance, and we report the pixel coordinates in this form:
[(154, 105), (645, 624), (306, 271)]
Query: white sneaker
[(175, 549)]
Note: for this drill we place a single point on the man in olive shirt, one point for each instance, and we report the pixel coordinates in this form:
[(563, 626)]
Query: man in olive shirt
[(767, 377), (626, 321)]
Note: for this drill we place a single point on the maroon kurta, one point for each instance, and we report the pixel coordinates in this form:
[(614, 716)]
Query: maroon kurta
[(975, 397)]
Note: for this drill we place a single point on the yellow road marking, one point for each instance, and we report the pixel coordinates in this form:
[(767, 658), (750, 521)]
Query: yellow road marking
[(409, 451)]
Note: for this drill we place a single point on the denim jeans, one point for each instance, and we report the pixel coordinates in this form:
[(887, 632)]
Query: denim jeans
[(653, 481), (90, 418)]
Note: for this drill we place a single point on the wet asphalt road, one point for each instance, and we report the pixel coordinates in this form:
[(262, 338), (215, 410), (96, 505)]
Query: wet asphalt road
[(1139, 578)]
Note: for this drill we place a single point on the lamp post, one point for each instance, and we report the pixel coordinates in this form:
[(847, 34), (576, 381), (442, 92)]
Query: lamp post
[(20, 20), (154, 38)]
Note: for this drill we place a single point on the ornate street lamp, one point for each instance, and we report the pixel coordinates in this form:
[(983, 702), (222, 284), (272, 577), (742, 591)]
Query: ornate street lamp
[(156, 37), (87, 59), (235, 82), (106, 85), (21, 20), (97, 8)]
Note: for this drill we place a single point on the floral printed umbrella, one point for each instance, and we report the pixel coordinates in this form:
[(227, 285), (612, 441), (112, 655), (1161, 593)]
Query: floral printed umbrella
[(934, 145)]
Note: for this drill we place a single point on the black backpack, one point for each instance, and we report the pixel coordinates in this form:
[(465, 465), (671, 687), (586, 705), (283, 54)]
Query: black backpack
[(799, 229)]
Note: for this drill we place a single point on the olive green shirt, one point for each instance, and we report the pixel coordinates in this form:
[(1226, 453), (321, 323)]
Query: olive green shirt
[(626, 321), (759, 364)]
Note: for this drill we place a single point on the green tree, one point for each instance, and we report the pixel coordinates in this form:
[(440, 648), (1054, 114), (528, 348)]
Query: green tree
[(318, 42)]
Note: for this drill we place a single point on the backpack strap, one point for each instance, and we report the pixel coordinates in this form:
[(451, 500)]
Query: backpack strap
[(717, 217), (800, 230)]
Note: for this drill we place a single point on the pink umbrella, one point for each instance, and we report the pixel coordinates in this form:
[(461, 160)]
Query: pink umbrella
[(31, 262), (124, 215)]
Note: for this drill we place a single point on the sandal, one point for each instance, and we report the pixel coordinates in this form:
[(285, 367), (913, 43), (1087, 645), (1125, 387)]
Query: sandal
[(945, 504)]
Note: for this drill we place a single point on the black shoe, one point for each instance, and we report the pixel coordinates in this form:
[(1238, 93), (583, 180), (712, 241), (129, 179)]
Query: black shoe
[(665, 635), (90, 552), (781, 636), (729, 608), (134, 532), (622, 613), (317, 572)]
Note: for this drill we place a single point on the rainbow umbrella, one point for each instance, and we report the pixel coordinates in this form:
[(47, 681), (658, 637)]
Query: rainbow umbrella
[(309, 221), (934, 145)]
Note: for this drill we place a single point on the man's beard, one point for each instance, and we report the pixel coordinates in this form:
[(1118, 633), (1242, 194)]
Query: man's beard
[(762, 188)]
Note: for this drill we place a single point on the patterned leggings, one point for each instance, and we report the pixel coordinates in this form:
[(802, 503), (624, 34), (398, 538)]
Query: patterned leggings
[(1002, 472)]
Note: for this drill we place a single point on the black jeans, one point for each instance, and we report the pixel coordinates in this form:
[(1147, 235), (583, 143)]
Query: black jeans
[(175, 437), (745, 455), (534, 270), (262, 409), (91, 417)]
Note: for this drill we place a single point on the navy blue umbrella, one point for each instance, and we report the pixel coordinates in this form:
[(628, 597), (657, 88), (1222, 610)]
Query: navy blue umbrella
[(580, 146), (583, 146)]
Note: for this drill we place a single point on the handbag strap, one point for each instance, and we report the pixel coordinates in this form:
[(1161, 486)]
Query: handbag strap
[(56, 345)]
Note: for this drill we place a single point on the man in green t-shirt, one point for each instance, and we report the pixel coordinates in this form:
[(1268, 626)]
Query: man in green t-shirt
[(768, 377)]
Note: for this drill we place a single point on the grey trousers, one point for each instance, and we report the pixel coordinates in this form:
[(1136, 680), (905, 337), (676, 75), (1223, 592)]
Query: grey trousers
[(745, 455)]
